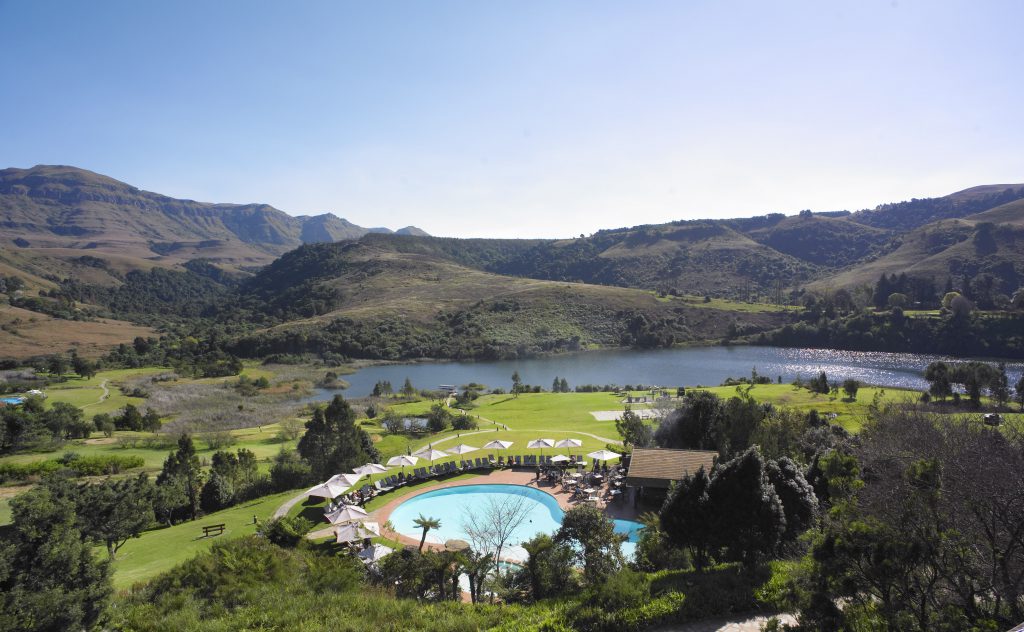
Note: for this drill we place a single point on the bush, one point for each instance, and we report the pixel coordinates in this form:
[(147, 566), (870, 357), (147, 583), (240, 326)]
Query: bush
[(465, 422), (24, 471), (624, 589), (285, 532), (104, 464)]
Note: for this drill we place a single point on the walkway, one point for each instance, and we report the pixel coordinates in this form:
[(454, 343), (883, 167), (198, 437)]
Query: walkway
[(748, 623), (103, 397), (283, 510)]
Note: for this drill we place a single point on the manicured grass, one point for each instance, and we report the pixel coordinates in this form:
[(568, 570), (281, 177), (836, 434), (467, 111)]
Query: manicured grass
[(161, 549), (849, 414), (5, 511), (86, 394), (262, 442), (737, 306)]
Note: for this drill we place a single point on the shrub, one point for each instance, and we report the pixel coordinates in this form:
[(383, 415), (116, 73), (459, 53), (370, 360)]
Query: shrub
[(104, 464), (285, 531), (24, 471)]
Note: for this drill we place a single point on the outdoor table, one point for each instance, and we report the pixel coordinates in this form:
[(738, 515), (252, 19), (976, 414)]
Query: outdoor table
[(589, 490)]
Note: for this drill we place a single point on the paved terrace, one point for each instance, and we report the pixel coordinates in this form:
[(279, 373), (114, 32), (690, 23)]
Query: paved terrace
[(622, 509)]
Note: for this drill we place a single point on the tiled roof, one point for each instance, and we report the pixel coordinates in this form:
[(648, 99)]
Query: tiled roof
[(667, 465)]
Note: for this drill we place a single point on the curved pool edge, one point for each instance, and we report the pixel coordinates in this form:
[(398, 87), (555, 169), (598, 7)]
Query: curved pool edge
[(495, 477)]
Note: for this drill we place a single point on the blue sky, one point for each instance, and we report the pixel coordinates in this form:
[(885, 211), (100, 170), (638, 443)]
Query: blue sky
[(520, 119)]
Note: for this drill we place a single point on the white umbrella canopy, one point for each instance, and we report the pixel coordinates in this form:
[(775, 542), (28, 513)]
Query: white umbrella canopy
[(560, 458), (327, 490), (345, 513), (403, 460), (351, 532), (372, 527), (430, 454), (462, 448), (604, 455), (569, 443), (375, 552), (498, 444), (370, 468), (541, 443), (348, 480)]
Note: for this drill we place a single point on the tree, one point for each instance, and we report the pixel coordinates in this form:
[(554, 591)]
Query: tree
[(333, 443), (63, 419), (182, 472), (999, 385), (426, 524), (556, 385), (218, 493), (799, 504), (83, 367), (517, 384), (633, 430), (151, 421), (563, 384), (49, 576), (57, 365), (939, 380), (408, 390), (687, 518), (439, 418), (129, 419), (113, 512), (289, 471), (1019, 388), (850, 387), (691, 425), (491, 527), (897, 299), (749, 520), (593, 540), (104, 423), (549, 567)]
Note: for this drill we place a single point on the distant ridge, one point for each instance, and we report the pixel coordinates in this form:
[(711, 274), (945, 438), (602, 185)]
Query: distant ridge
[(64, 207)]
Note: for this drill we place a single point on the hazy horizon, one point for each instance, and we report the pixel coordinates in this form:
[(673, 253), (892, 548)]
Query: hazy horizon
[(533, 120)]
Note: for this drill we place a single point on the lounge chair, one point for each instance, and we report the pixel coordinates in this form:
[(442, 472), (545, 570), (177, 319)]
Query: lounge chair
[(478, 464), (501, 461), (381, 488), (519, 461)]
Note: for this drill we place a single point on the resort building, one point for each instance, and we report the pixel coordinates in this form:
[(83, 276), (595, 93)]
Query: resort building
[(653, 470)]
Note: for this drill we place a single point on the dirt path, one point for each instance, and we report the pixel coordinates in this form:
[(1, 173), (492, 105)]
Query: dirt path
[(103, 397)]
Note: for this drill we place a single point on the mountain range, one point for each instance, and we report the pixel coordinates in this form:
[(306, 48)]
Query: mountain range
[(320, 282), (59, 208)]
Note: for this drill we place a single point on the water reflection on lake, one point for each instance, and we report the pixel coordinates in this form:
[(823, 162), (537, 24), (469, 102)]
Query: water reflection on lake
[(692, 366)]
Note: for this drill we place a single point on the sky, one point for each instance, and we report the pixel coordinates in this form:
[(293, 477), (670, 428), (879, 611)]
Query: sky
[(520, 119)]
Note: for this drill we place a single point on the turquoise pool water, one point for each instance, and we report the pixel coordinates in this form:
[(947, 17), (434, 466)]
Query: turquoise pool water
[(12, 400), (454, 506)]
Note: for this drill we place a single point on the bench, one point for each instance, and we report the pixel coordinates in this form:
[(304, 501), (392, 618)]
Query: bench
[(213, 529)]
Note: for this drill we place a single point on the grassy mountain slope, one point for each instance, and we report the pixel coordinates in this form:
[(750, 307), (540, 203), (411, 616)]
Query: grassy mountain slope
[(916, 213), (822, 240), (367, 300), (66, 207)]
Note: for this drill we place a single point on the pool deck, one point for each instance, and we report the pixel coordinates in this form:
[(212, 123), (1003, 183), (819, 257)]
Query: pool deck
[(622, 509)]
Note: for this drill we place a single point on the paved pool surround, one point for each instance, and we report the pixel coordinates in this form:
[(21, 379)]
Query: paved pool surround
[(622, 510)]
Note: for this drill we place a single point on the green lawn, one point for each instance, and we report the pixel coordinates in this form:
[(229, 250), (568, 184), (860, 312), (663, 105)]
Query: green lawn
[(86, 394), (161, 549)]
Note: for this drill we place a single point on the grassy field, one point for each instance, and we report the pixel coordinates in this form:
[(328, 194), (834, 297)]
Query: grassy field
[(161, 549), (88, 394)]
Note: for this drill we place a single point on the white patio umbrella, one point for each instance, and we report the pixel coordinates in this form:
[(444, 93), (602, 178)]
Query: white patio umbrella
[(604, 455), (345, 479), (570, 444), (351, 532), (541, 443), (402, 460), (370, 468), (372, 527), (497, 444), (374, 553), (346, 513), (431, 454), (560, 458), (327, 490), (462, 448)]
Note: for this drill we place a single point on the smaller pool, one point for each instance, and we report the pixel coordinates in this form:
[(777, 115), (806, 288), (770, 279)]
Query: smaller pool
[(12, 401), (454, 507)]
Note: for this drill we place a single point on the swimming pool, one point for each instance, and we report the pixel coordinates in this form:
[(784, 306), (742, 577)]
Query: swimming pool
[(453, 506), (13, 401)]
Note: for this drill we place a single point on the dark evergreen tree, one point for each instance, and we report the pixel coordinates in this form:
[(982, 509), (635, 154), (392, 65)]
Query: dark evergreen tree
[(749, 519), (799, 503), (687, 519), (333, 443), (182, 473)]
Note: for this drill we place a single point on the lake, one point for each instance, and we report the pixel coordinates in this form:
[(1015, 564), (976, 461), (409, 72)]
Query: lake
[(690, 366)]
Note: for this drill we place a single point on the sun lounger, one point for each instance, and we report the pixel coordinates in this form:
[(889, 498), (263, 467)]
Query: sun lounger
[(519, 461)]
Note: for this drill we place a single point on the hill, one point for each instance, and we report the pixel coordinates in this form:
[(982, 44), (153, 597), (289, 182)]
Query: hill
[(53, 207), (364, 299)]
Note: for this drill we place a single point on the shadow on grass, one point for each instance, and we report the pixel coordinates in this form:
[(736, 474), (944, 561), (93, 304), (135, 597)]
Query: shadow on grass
[(722, 589)]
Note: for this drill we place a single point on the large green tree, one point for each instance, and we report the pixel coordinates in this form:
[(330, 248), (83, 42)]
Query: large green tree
[(749, 518), (115, 511), (183, 476), (50, 578), (687, 517), (595, 545), (333, 443)]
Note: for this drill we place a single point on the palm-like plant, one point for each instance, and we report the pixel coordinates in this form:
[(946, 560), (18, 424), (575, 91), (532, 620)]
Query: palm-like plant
[(426, 524)]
